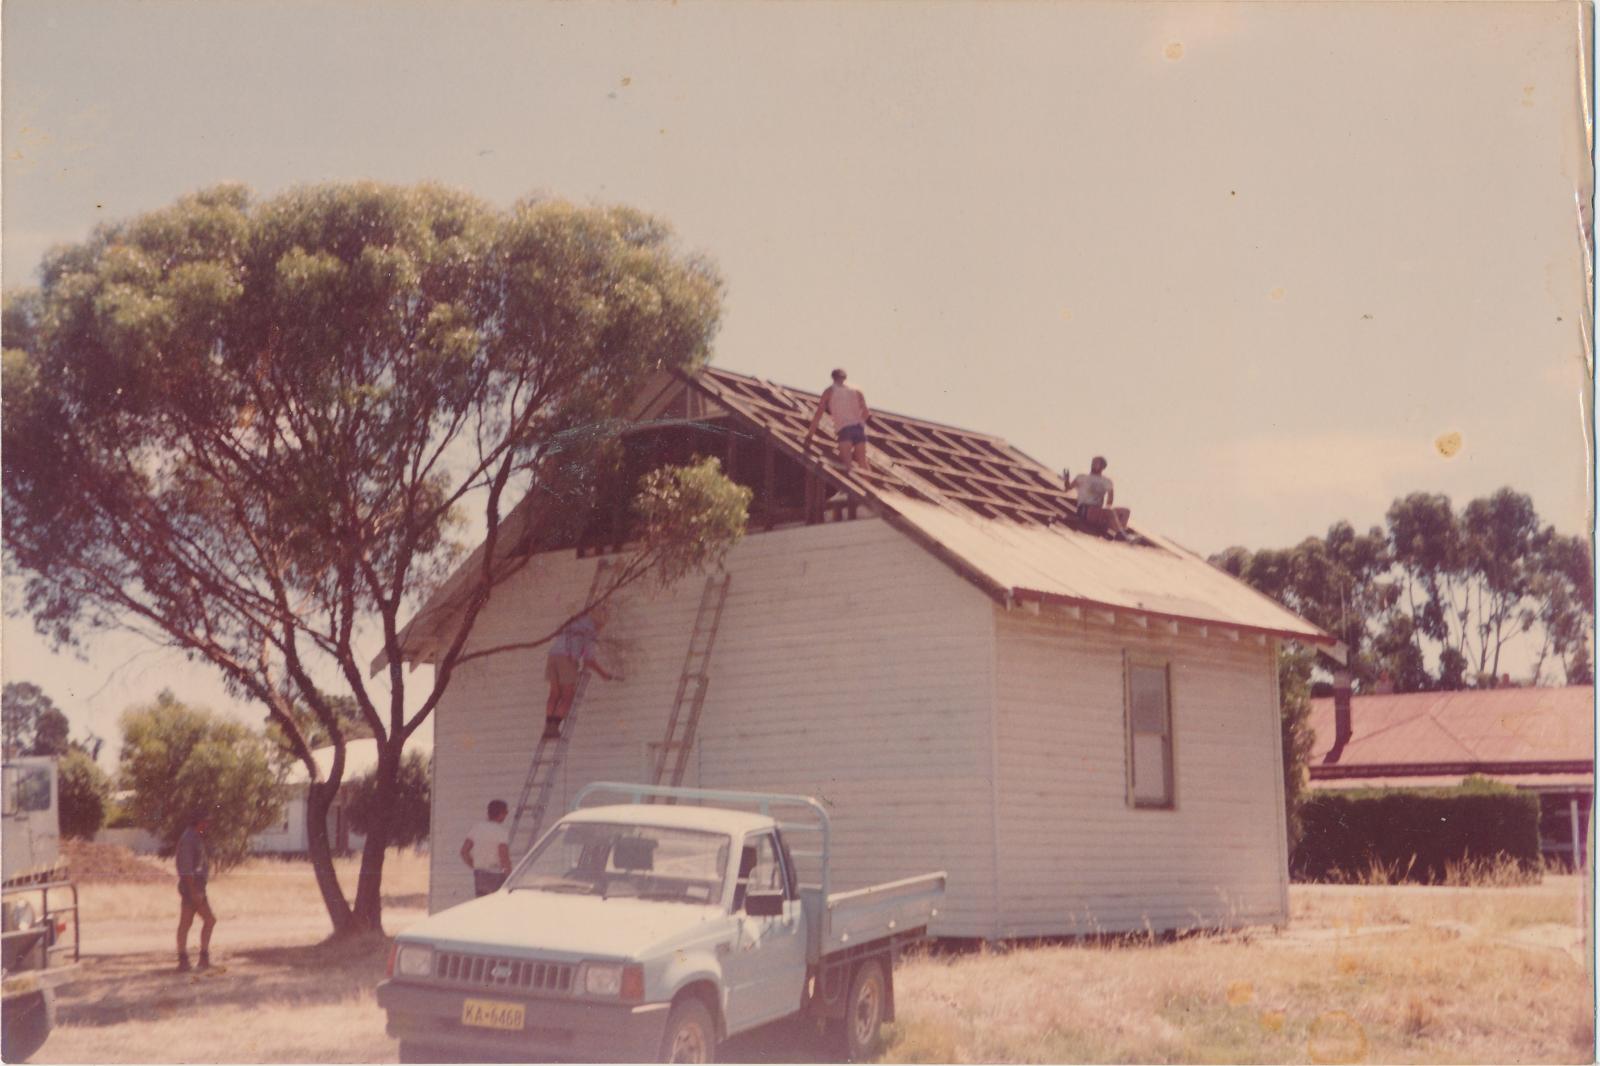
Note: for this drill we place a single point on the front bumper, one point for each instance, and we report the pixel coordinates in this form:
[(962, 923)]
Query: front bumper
[(553, 1029), (30, 981)]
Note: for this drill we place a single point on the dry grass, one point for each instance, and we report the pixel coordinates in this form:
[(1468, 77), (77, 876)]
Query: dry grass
[(1334, 990), (1374, 974), (297, 1004), (259, 887), (1500, 871)]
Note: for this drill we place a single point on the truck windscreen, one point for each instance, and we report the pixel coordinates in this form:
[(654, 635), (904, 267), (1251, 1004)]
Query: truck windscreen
[(632, 861)]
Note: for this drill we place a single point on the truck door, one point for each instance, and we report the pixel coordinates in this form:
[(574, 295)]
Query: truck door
[(765, 971), (32, 835)]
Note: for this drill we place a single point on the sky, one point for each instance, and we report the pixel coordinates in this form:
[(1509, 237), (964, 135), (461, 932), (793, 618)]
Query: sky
[(1280, 263)]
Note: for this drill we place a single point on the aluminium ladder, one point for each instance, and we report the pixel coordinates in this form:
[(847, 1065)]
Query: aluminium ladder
[(692, 683), (550, 753)]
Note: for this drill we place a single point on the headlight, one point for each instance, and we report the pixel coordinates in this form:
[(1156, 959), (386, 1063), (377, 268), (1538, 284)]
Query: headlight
[(603, 978), (615, 980), (414, 961)]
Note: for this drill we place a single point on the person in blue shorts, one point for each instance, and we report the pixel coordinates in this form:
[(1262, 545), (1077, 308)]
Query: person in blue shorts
[(847, 408)]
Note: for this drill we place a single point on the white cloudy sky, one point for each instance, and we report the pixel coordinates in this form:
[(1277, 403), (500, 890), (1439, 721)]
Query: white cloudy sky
[(1260, 255)]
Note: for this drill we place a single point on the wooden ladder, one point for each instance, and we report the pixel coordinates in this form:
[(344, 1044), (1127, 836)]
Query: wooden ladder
[(550, 754), (692, 683)]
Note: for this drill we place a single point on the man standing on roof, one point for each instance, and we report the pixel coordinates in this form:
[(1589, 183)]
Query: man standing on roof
[(1096, 494), (847, 408), (571, 653)]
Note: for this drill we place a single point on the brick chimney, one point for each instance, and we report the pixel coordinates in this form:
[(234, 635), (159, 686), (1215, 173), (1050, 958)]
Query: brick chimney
[(1341, 715)]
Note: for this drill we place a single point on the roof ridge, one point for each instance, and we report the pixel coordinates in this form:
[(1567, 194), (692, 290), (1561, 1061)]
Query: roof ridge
[(813, 396)]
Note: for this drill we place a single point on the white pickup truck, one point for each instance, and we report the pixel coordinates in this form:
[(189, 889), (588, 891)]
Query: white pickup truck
[(652, 930)]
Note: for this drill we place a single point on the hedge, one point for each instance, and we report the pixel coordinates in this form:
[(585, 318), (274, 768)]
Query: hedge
[(1416, 833)]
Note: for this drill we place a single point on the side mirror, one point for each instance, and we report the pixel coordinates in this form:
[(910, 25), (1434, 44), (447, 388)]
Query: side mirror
[(765, 905)]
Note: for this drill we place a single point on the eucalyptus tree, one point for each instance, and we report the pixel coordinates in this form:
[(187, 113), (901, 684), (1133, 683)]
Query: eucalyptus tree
[(258, 431)]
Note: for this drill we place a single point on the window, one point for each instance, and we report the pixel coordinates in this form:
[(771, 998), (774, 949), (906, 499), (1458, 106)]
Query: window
[(1149, 698), (27, 789), (759, 870)]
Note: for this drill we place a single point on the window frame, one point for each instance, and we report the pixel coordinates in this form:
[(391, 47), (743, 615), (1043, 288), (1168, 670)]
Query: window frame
[(1130, 662)]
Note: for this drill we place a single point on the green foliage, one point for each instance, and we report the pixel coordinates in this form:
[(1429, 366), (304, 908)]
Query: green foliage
[(180, 762), (693, 514), (1294, 710), (347, 720), (1431, 601), (254, 430), (33, 724), (1415, 832), (408, 808), (83, 793)]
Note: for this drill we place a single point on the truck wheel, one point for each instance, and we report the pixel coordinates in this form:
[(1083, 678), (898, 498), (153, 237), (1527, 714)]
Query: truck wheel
[(856, 1035), (26, 1025), (691, 1034)]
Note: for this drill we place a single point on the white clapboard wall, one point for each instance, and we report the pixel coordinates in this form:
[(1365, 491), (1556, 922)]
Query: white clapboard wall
[(850, 665), (1075, 856)]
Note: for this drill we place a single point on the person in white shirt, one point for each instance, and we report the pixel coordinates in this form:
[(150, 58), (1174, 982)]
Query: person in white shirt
[(1096, 494), (488, 850), (847, 408)]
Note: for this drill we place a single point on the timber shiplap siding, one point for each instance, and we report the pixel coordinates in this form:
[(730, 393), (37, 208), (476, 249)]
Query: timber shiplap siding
[(1075, 857), (851, 665)]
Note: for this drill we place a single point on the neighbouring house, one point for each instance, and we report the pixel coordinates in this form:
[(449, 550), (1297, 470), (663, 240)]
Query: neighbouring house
[(1083, 733), (1540, 740), (288, 837)]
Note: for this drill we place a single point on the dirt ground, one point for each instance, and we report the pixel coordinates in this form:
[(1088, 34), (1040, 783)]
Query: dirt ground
[(1363, 974)]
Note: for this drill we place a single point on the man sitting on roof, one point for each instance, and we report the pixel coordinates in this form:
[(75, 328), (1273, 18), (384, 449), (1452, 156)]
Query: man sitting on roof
[(848, 409), (1096, 494)]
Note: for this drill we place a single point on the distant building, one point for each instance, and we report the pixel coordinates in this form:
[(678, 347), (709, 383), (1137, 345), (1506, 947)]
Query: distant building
[(288, 837), (1540, 740), (1083, 733)]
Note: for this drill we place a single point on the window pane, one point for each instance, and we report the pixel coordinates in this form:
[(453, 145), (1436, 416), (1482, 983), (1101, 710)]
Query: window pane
[(767, 875), (1149, 769), (1147, 691)]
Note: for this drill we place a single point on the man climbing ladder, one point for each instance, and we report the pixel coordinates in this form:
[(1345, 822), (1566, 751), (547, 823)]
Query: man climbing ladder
[(571, 653)]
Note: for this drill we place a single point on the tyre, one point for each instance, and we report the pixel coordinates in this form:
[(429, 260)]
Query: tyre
[(855, 1036), (26, 1025), (691, 1034)]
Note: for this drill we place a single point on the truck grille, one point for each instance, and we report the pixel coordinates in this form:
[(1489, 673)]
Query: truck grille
[(493, 972)]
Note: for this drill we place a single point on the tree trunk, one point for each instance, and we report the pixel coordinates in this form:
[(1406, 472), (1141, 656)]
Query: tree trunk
[(319, 798), (368, 913)]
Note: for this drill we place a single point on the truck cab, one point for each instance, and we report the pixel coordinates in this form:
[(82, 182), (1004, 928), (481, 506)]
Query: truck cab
[(40, 907), (645, 930)]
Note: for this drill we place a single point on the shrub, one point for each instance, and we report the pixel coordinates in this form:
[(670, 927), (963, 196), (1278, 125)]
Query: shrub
[(179, 762), (1429, 835), (82, 792), (408, 813)]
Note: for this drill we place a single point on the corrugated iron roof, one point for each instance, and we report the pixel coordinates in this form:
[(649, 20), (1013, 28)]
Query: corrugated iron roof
[(994, 514), (1008, 517), (1481, 726)]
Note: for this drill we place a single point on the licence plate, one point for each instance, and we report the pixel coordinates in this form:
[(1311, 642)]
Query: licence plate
[(492, 1014)]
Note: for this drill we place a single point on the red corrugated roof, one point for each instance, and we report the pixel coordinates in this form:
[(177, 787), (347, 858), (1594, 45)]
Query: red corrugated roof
[(1488, 726)]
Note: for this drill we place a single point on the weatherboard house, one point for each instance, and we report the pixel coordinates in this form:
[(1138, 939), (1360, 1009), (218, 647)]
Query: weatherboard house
[(1083, 733)]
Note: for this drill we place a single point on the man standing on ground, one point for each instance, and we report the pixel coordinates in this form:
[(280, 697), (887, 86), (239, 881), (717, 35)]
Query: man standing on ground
[(488, 850), (192, 871), (571, 653), (847, 408)]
